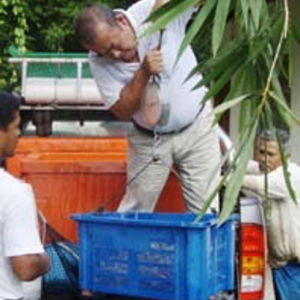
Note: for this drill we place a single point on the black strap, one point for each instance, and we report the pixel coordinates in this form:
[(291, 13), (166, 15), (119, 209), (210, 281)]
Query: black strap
[(151, 132)]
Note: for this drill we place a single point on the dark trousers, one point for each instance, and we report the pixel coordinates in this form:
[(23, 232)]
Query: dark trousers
[(287, 281)]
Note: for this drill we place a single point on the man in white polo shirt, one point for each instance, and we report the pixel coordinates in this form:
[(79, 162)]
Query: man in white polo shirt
[(22, 257), (139, 81)]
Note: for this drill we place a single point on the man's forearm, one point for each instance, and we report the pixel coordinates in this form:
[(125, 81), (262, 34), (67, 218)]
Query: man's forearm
[(29, 267), (256, 183), (131, 95)]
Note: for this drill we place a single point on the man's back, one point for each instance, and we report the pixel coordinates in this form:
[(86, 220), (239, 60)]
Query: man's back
[(18, 231)]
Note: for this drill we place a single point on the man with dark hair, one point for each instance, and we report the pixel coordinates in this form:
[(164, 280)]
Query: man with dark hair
[(140, 81), (22, 257), (283, 224)]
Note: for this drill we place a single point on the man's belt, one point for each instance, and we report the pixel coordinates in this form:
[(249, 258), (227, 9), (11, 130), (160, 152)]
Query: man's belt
[(151, 132)]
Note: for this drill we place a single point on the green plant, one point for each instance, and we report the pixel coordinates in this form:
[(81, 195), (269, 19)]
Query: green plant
[(251, 50), (13, 25), (39, 26)]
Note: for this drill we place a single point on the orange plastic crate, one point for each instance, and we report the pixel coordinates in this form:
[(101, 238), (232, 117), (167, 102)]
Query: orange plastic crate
[(76, 175)]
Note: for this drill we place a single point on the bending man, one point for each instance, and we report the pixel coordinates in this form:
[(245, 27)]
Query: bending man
[(139, 81)]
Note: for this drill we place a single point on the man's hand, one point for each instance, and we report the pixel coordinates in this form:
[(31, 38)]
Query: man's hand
[(153, 63), (131, 94)]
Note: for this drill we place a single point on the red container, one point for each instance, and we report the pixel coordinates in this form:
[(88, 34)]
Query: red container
[(76, 175)]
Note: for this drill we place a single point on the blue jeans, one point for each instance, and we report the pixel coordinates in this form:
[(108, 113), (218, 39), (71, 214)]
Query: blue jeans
[(287, 281)]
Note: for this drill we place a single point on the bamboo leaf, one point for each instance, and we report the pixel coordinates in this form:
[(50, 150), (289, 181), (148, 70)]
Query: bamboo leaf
[(170, 5), (245, 11), (268, 118), (249, 85), (169, 14), (256, 8), (211, 198), (200, 19), (286, 173), (215, 73), (282, 104), (236, 85), (229, 104), (222, 183), (232, 49), (267, 198), (259, 43), (236, 180), (220, 24), (269, 121), (224, 78), (265, 16), (284, 111), (243, 118), (284, 114), (228, 53)]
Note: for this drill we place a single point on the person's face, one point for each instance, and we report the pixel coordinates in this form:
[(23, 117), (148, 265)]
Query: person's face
[(9, 138), (268, 155), (115, 42)]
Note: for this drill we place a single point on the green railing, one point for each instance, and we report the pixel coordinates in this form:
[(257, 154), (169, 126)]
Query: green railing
[(52, 65)]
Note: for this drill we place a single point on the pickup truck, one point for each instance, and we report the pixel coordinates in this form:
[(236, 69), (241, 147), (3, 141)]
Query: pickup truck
[(75, 168)]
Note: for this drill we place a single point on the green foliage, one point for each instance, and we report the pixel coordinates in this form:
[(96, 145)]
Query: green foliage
[(40, 26), (13, 27), (251, 46)]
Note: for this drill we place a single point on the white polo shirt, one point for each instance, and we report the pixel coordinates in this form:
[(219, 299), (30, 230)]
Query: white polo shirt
[(283, 226), (19, 233), (111, 76)]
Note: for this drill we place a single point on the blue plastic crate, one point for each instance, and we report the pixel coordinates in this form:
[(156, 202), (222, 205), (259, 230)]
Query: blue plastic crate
[(159, 256)]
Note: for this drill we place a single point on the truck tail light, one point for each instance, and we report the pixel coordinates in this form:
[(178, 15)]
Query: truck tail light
[(253, 262)]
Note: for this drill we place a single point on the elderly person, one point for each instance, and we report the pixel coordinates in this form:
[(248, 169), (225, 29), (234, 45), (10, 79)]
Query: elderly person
[(283, 224), (139, 81)]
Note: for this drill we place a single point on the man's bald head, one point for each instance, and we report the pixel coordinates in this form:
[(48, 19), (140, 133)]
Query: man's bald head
[(86, 22)]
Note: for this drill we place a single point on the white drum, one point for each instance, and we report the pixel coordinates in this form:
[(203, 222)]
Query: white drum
[(61, 91)]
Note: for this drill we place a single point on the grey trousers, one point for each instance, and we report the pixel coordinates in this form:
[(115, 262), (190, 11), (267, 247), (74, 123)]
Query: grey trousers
[(195, 152)]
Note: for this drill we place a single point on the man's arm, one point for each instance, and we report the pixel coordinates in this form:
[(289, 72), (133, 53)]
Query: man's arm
[(252, 168), (256, 183), (21, 240), (131, 94), (29, 267)]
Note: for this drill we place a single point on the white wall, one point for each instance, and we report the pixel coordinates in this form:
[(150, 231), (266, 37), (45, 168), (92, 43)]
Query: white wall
[(295, 136), (234, 124)]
